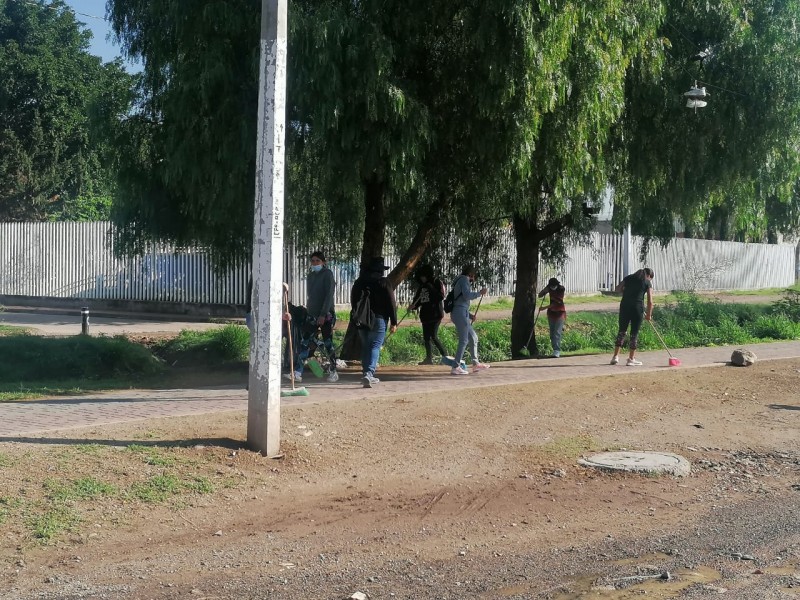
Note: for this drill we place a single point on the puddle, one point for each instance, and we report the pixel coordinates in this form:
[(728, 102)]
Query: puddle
[(791, 569), (587, 587)]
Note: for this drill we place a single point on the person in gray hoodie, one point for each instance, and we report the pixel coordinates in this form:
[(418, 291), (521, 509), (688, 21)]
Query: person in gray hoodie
[(320, 287), (462, 319)]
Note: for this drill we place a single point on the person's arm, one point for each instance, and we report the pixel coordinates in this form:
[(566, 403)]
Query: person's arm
[(415, 302), (543, 292), (649, 314), (620, 287), (330, 288), (355, 294), (393, 303)]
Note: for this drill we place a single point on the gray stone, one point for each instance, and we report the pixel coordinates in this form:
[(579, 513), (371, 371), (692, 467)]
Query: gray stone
[(743, 358)]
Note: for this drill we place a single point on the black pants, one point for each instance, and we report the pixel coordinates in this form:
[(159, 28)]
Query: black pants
[(633, 315), (430, 333)]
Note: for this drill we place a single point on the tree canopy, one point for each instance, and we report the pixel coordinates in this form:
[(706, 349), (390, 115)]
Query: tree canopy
[(730, 169), (54, 153)]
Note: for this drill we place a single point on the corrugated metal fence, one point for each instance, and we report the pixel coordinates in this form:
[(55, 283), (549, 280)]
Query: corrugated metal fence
[(75, 260)]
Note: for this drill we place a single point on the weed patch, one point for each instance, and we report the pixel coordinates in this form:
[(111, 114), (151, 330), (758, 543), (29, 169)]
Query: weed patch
[(156, 489)]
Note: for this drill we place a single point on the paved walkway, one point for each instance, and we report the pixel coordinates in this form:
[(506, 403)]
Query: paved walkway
[(27, 420)]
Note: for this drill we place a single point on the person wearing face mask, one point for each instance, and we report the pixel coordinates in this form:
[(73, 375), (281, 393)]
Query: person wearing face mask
[(556, 313), (462, 319), (320, 287)]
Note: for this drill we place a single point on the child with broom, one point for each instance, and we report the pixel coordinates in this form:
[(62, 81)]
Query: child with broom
[(556, 313)]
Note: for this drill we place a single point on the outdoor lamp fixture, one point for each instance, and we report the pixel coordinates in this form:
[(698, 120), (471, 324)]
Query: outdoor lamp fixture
[(696, 97)]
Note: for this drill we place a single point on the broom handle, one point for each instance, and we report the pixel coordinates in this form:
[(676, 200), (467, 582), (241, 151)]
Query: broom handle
[(289, 337), (475, 316), (530, 337), (660, 338)]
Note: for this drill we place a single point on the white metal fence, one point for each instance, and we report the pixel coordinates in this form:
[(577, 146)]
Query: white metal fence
[(75, 260)]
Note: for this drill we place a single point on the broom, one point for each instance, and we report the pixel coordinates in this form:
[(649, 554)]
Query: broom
[(294, 391), (673, 362), (541, 306)]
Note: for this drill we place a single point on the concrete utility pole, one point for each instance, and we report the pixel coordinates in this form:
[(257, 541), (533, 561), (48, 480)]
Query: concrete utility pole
[(264, 402)]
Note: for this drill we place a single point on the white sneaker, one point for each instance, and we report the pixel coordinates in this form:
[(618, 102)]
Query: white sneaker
[(632, 362), (458, 371), (615, 360), (297, 377), (479, 367), (333, 377)]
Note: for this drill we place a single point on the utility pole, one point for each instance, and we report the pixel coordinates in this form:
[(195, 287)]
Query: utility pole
[(264, 400)]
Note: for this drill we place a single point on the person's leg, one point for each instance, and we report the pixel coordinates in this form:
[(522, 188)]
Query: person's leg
[(427, 335), (472, 339), (556, 332), (624, 321), (327, 341), (461, 321), (435, 338), (308, 334), (637, 317), (375, 339)]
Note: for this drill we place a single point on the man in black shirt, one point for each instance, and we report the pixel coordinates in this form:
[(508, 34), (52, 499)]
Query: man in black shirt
[(372, 281)]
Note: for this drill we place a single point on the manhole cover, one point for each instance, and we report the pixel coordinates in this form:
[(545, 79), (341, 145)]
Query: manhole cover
[(646, 462)]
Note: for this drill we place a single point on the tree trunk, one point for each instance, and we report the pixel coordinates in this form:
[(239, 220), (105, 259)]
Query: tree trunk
[(527, 239), (421, 242), (374, 220)]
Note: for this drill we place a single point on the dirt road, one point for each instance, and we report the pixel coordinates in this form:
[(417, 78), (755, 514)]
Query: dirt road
[(475, 494)]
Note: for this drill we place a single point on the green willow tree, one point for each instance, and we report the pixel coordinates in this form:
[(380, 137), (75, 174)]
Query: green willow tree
[(729, 170), (55, 97)]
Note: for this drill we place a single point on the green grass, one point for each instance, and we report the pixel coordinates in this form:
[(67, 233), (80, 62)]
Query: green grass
[(156, 489), (688, 321), (48, 525), (85, 488), (12, 330), (28, 358), (225, 344), (152, 456)]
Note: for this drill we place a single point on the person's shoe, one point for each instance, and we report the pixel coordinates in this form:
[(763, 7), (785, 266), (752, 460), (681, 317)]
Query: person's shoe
[(632, 362), (369, 380), (333, 377), (615, 360), (479, 367), (297, 377), (556, 354), (427, 361), (458, 371)]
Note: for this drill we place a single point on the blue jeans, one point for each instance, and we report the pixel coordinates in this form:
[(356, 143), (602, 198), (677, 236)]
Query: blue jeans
[(466, 335), (556, 329), (371, 342)]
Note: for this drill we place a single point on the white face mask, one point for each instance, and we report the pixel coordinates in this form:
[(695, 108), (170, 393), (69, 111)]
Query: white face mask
[(316, 268)]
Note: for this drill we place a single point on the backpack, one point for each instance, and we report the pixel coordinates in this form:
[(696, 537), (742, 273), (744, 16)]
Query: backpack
[(362, 315), (449, 300)]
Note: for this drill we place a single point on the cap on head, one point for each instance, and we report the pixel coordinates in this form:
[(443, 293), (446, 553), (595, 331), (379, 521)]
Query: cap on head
[(377, 265), (553, 282)]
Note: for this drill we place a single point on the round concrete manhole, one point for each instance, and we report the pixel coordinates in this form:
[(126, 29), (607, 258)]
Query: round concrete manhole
[(643, 462)]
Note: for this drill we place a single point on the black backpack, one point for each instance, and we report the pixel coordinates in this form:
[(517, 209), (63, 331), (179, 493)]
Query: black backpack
[(362, 315), (449, 300)]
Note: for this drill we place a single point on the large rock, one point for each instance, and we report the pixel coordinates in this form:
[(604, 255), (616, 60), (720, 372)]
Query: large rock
[(743, 358)]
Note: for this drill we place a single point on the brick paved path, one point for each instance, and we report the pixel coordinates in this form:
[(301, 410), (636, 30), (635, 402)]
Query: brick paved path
[(27, 418)]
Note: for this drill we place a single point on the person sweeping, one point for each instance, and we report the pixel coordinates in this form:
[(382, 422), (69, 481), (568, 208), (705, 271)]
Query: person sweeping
[(634, 287), (556, 313), (428, 299)]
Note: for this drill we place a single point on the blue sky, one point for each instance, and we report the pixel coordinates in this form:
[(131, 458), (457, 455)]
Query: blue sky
[(102, 44)]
